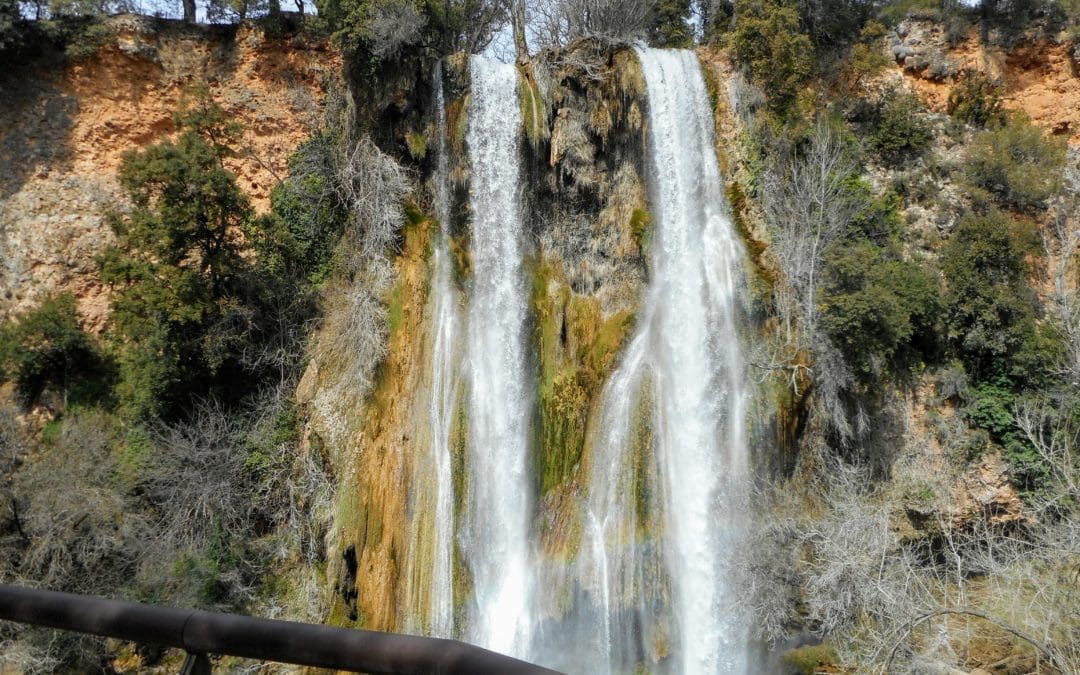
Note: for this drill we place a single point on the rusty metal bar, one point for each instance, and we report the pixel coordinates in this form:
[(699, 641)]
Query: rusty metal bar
[(200, 632)]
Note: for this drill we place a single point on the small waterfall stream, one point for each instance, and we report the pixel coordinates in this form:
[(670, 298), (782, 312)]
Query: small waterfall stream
[(430, 581), (498, 508)]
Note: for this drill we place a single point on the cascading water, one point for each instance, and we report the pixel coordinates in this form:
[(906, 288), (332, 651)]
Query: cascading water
[(666, 496), (663, 507), (496, 522), (430, 581)]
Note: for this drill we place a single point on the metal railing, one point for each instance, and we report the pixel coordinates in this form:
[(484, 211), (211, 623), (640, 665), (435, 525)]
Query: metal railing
[(202, 633)]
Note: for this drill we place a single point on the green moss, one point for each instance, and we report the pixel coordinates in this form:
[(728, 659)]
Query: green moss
[(764, 277), (457, 120), (413, 216), (576, 350), (641, 450), (564, 414), (712, 85), (463, 586), (532, 110), (459, 250), (395, 308), (809, 659), (641, 222), (417, 144), (558, 441), (459, 438), (599, 357)]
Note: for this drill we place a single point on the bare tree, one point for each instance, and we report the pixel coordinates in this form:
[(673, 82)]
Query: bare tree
[(198, 480), (1050, 424), (808, 206), (1062, 244), (829, 549), (373, 187), (518, 23), (557, 23), (393, 25)]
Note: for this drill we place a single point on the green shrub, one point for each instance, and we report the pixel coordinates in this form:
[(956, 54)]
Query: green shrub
[(87, 38), (46, 346), (991, 311), (893, 126), (878, 219), (879, 311), (177, 267), (990, 408), (1017, 164), (768, 39), (976, 99), (867, 59)]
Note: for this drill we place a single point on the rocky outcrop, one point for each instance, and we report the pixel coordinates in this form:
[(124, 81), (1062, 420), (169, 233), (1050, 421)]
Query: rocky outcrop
[(1038, 74), (64, 129)]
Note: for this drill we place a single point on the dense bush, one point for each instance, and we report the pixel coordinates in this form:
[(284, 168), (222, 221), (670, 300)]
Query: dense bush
[(11, 28), (376, 30), (177, 267), (834, 24), (201, 512), (73, 527), (976, 99), (1017, 164), (893, 126), (991, 311), (768, 39), (880, 311), (670, 24), (46, 345)]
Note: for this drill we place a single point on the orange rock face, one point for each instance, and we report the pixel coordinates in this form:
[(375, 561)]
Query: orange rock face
[(1040, 78), (63, 131)]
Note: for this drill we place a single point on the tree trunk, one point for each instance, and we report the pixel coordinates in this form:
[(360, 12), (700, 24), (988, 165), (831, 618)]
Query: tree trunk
[(517, 18), (189, 11), (274, 9)]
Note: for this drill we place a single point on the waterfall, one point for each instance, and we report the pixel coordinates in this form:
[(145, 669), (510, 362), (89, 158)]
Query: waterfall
[(662, 589), (430, 579), (663, 502), (495, 534)]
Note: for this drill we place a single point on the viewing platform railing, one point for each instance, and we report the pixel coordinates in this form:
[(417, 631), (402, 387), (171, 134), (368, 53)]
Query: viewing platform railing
[(201, 633)]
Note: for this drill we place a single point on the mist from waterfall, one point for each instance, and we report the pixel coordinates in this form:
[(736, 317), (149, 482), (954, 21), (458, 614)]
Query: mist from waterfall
[(495, 528)]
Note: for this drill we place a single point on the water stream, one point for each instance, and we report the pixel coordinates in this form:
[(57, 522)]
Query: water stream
[(496, 531), (430, 580)]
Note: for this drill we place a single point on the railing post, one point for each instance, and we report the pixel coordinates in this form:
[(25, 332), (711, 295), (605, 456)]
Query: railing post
[(196, 664)]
